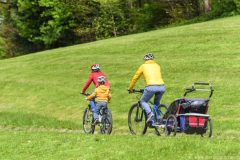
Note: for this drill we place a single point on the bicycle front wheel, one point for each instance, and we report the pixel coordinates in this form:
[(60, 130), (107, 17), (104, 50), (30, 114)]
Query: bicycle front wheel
[(87, 121), (137, 120)]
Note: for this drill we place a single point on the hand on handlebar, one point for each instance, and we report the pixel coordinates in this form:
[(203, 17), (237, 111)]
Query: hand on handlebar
[(135, 91), (130, 90), (85, 94)]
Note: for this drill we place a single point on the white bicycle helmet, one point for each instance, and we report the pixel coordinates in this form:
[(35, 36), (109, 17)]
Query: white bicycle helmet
[(95, 67), (101, 79), (148, 56)]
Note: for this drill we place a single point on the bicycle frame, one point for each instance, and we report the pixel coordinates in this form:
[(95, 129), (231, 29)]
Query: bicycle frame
[(102, 112), (151, 102)]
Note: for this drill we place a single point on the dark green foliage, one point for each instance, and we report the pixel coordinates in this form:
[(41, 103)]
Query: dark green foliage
[(111, 21), (224, 8), (49, 22), (41, 24), (2, 48), (184, 9), (83, 15), (149, 17), (14, 43), (32, 25), (219, 8)]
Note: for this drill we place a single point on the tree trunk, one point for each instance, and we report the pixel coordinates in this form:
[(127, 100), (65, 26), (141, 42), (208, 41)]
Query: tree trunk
[(139, 3), (207, 6)]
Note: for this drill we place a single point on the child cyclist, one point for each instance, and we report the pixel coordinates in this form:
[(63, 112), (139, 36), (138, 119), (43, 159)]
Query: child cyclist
[(103, 95), (95, 68)]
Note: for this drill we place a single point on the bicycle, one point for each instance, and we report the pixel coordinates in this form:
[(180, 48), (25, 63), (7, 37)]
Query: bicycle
[(137, 117), (105, 120)]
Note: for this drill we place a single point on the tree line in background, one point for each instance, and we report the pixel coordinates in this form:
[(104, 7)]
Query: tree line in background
[(28, 26)]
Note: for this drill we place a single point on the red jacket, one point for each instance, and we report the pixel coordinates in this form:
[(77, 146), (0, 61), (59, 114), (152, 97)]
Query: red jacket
[(93, 78)]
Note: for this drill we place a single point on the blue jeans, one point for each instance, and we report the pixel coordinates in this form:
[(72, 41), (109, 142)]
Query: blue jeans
[(92, 104), (148, 93), (97, 108)]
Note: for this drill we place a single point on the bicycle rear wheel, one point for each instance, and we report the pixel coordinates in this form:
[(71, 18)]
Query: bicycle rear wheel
[(163, 109), (106, 125), (87, 121), (137, 120), (159, 128)]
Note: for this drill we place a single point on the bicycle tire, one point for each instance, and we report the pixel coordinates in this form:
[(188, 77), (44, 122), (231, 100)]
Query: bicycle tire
[(87, 121), (163, 109), (139, 116), (209, 129), (107, 123), (171, 125)]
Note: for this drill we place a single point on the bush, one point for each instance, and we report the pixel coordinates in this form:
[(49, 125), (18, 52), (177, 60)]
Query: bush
[(2, 49), (149, 17), (222, 8), (110, 22)]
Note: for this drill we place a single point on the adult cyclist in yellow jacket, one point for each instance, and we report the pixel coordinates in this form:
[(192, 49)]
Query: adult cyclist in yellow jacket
[(154, 84)]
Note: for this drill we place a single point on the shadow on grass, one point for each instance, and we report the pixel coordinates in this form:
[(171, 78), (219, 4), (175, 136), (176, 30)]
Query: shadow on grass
[(19, 119)]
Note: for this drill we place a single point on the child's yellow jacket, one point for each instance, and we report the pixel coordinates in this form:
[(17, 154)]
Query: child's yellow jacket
[(102, 93)]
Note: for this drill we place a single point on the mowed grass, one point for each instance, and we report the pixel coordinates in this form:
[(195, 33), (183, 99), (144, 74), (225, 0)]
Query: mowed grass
[(42, 91), (52, 145)]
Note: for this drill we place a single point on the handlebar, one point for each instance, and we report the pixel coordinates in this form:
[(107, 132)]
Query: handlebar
[(190, 89), (200, 83), (136, 91), (193, 88), (85, 94)]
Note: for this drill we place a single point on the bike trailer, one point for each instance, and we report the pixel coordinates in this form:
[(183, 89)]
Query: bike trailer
[(193, 123), (190, 115)]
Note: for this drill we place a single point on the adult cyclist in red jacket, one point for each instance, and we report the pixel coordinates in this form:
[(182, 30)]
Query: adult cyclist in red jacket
[(94, 78)]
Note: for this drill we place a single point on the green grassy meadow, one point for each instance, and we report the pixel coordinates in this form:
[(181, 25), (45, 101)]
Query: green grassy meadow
[(41, 108)]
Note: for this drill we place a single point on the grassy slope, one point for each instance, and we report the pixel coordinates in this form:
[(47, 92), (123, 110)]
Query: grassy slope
[(42, 91)]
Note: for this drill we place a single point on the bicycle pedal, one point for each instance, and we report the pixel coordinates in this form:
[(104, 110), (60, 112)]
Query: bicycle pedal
[(155, 125), (151, 125)]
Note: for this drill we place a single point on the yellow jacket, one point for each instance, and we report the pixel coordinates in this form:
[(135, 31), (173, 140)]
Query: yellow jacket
[(102, 93), (151, 72)]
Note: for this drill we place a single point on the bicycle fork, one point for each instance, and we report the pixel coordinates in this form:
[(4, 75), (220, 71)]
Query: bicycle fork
[(156, 113)]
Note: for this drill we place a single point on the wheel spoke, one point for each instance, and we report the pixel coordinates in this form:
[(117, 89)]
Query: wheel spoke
[(87, 121), (106, 124), (171, 125), (136, 120)]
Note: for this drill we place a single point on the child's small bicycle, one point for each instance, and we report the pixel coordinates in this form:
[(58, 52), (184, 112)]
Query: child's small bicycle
[(105, 120)]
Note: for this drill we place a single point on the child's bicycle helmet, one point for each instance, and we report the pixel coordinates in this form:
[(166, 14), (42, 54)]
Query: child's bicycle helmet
[(101, 79)]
